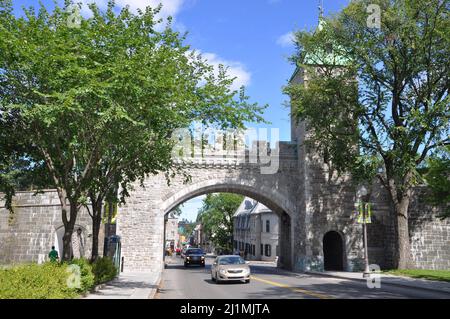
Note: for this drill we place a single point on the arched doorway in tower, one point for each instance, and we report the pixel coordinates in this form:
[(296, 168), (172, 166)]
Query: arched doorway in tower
[(333, 251)]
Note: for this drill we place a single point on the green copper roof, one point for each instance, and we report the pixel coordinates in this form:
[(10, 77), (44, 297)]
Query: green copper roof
[(322, 57)]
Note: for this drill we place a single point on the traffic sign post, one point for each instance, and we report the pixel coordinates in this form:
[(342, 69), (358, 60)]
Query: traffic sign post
[(364, 218)]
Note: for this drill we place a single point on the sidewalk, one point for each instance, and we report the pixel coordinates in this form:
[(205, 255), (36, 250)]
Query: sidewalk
[(129, 285), (386, 279), (262, 262)]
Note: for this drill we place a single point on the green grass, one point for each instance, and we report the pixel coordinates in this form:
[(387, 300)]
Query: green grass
[(441, 275)]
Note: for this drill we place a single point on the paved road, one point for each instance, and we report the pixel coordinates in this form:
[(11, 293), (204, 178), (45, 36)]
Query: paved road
[(267, 281)]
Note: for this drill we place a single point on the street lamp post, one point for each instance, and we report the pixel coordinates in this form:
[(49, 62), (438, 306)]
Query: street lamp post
[(364, 205)]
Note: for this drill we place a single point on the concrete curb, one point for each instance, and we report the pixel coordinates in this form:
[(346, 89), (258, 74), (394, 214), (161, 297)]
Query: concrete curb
[(95, 289), (155, 290), (404, 285), (100, 286)]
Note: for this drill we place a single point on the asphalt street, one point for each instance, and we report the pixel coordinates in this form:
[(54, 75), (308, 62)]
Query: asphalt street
[(269, 282)]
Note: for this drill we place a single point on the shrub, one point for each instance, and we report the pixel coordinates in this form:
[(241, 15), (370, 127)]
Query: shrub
[(33, 281), (104, 270), (54, 280), (87, 276)]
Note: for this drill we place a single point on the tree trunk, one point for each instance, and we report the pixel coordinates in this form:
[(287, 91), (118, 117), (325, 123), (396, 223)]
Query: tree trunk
[(96, 223), (403, 248), (68, 230), (67, 242)]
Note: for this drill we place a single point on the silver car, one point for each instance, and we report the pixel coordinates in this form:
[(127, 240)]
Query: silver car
[(230, 268)]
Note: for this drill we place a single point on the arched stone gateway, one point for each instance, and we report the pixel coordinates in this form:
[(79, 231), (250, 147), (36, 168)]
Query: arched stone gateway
[(308, 200), (276, 201), (142, 242)]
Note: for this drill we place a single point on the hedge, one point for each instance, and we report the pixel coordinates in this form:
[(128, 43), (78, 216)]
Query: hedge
[(33, 281), (104, 270), (53, 280), (87, 279)]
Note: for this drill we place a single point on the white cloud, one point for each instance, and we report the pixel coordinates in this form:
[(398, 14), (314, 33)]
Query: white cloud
[(286, 39), (235, 69), (169, 8)]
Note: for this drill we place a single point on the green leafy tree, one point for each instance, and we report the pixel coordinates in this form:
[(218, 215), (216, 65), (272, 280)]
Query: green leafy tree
[(188, 229), (376, 99), (17, 171), (98, 101), (216, 217), (438, 179)]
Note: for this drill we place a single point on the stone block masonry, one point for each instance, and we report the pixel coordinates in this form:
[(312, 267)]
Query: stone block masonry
[(36, 226), (309, 199), (309, 202)]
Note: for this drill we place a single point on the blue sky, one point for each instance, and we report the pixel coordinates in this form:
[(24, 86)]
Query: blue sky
[(190, 208), (250, 36)]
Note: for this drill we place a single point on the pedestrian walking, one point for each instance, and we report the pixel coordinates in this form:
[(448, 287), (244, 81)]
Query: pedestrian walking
[(53, 255)]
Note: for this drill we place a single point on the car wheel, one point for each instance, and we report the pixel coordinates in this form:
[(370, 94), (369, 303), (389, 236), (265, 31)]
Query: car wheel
[(185, 265), (212, 277), (247, 281), (217, 279)]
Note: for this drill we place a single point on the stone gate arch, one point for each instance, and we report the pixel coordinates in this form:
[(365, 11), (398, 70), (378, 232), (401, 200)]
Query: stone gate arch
[(140, 222), (274, 200), (269, 197)]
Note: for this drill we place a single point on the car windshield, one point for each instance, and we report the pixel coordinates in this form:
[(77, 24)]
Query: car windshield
[(232, 260), (194, 252)]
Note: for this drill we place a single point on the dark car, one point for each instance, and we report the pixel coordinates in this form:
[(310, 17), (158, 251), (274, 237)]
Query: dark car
[(194, 256)]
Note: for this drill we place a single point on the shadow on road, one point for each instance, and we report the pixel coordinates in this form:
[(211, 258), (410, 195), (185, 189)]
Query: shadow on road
[(180, 266), (211, 282), (345, 290)]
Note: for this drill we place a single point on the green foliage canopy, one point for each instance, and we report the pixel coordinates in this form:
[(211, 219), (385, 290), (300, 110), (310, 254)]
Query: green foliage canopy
[(216, 216), (97, 103), (438, 179)]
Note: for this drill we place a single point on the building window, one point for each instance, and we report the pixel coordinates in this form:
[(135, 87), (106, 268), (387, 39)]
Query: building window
[(253, 250), (262, 250), (267, 226), (235, 244), (268, 253)]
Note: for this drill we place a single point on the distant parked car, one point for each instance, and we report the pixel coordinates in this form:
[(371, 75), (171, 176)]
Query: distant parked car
[(194, 256), (230, 268)]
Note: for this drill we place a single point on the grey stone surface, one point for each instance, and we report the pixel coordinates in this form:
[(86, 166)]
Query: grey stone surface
[(29, 233)]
